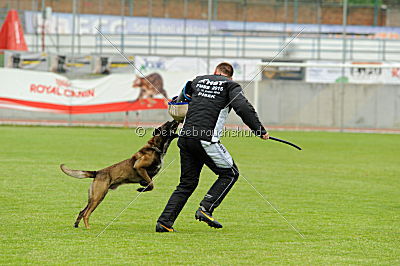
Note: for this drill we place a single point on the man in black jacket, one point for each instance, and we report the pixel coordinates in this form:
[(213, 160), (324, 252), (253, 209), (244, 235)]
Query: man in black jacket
[(212, 97)]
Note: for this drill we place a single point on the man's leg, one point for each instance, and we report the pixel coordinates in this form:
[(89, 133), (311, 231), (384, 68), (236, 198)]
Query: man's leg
[(191, 167), (221, 163), (216, 194)]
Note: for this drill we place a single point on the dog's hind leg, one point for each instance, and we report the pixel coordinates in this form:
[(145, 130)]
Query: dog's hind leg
[(79, 218), (98, 191), (76, 224)]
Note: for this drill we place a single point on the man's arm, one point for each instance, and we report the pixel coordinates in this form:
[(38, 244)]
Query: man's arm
[(188, 90), (186, 93), (245, 110)]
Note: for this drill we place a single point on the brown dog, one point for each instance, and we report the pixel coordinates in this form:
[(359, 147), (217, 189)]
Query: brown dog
[(140, 168)]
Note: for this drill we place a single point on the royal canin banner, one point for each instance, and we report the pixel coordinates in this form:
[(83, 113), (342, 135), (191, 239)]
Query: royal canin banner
[(50, 92)]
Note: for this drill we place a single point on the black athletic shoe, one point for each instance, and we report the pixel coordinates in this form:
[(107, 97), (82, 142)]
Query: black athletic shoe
[(204, 216), (160, 228)]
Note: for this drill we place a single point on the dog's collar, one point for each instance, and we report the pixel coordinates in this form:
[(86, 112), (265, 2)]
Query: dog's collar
[(157, 150)]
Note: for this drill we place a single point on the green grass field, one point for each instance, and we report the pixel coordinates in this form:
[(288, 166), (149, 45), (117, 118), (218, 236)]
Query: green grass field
[(342, 192)]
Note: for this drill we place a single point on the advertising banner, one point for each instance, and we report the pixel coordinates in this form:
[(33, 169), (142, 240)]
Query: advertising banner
[(357, 75), (170, 73), (50, 92), (363, 75), (158, 79), (323, 74), (189, 67), (197, 66), (392, 76), (87, 23)]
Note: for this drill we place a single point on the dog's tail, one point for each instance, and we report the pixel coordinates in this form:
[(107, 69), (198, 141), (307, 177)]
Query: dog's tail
[(78, 173)]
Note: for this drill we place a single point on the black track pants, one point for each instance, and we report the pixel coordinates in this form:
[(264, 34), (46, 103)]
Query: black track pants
[(194, 154)]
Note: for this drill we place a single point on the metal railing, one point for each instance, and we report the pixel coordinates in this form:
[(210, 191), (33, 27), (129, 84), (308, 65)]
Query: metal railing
[(325, 48)]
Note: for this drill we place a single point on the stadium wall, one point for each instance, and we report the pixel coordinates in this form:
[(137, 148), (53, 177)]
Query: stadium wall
[(300, 104), (290, 104)]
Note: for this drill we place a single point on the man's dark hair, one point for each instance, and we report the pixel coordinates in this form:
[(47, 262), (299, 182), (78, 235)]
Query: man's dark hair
[(225, 68)]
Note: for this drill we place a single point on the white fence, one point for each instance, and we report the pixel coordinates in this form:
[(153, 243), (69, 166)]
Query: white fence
[(221, 45)]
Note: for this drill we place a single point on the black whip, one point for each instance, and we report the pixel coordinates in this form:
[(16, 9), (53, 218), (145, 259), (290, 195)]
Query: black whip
[(286, 142)]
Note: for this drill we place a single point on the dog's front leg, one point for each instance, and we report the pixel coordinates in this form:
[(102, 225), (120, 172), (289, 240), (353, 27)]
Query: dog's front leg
[(146, 177), (139, 166)]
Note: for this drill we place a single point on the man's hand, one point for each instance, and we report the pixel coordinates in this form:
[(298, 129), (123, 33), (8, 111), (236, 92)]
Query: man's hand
[(265, 136)]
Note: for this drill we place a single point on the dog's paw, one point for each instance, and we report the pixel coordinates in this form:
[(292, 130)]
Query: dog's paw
[(144, 189), (143, 183), (141, 189)]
